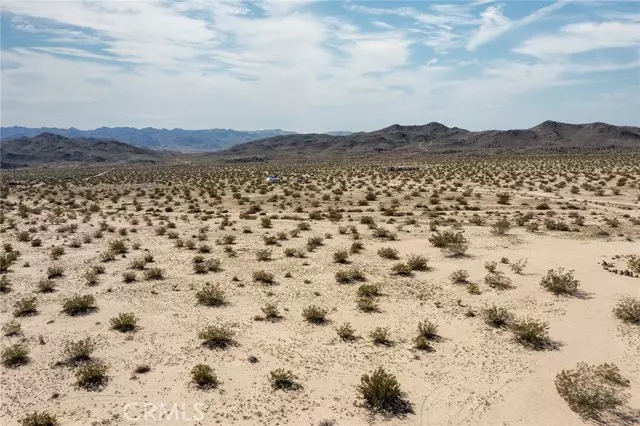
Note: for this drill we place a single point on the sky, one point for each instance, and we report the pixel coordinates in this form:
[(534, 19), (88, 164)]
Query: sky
[(315, 66)]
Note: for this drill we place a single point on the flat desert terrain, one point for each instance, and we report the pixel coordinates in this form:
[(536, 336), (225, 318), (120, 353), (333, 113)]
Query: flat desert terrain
[(501, 291)]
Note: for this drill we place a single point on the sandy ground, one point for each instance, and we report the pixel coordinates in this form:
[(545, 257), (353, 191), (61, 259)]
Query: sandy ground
[(476, 375)]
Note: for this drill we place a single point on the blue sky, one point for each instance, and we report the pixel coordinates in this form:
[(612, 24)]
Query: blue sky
[(309, 65)]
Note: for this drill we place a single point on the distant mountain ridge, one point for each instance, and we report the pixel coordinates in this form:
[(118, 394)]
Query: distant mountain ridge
[(436, 138), (50, 149), (159, 139)]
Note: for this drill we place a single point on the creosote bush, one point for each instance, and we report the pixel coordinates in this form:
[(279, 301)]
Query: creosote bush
[(39, 419), (418, 263), (628, 310), (14, 355), (211, 295), (154, 274), (381, 391), (283, 379), (217, 336), (380, 336), (346, 332), (92, 376), (498, 281), (497, 317), (560, 282), (592, 389), (124, 322), (388, 253), (349, 276), (459, 276), (531, 333), (80, 350), (263, 277), (25, 307), (79, 305), (315, 314), (204, 377)]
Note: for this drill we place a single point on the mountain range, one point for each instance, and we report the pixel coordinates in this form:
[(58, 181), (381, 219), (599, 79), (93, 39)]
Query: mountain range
[(149, 137), (435, 138), (393, 142)]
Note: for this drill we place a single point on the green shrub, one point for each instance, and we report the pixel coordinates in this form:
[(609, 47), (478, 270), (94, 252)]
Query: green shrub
[(346, 332), (55, 271), (46, 285), (271, 312), (367, 304), (204, 377), (388, 253), (369, 290), (380, 336), (39, 419), (79, 305), (628, 310), (15, 355), (497, 317), (211, 295), (592, 389), (263, 277), (283, 379), (92, 376), (341, 256), (349, 276), (401, 269), (124, 322), (498, 281), (129, 276), (459, 276), (25, 307), (118, 246), (217, 336), (418, 263), (154, 274), (315, 314), (531, 333), (560, 282), (381, 391), (80, 350)]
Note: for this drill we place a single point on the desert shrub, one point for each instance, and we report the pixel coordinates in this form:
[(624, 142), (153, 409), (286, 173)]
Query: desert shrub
[(118, 246), (129, 276), (427, 329), (560, 282), (384, 234), (367, 304), (56, 252), (15, 355), (497, 317), (592, 389), (314, 314), (107, 256), (271, 311), (217, 336), (78, 305), (633, 263), (270, 240), (531, 333), (211, 295), (503, 197), (46, 285), (142, 369), (501, 226), (138, 263), (91, 277), (200, 268), (452, 243), (346, 332), (263, 255), (12, 328), (341, 256), (154, 274), (369, 290), (80, 350), (418, 263), (422, 343), (381, 391), (98, 269), (459, 276), (213, 265), (92, 376), (473, 288), (6, 260), (349, 276), (356, 247), (401, 269), (498, 281), (204, 248), (204, 377), (283, 379), (39, 419), (380, 336), (263, 277), (532, 227), (388, 253), (55, 271), (25, 307), (491, 266), (124, 322), (628, 310), (5, 284), (36, 242), (518, 266), (313, 243)]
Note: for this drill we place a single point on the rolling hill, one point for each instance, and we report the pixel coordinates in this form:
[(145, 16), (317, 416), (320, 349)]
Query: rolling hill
[(436, 138), (48, 149)]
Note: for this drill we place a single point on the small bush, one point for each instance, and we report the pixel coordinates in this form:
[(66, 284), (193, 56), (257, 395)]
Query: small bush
[(55, 271), (497, 317), (315, 314), (501, 227), (388, 253), (349, 276), (5, 284), (217, 336), (79, 305), (560, 282), (46, 285), (129, 276), (346, 332), (628, 310), (498, 281), (313, 243), (380, 336), (271, 312), (80, 350), (418, 263), (138, 263), (356, 247), (90, 277), (12, 328), (459, 277), (92, 376), (211, 295), (591, 389), (283, 379), (25, 307), (56, 252), (381, 391), (263, 255), (491, 266), (518, 266), (263, 277), (401, 269), (367, 304), (341, 256), (473, 288), (118, 246), (15, 355), (39, 419), (154, 274), (369, 290), (531, 333), (204, 377), (124, 322)]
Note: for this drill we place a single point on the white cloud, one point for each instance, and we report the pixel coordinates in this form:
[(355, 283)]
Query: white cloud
[(583, 37)]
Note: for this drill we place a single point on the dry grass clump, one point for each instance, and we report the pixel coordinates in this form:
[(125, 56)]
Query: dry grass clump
[(560, 282), (129, 276), (592, 389), (55, 271), (263, 277), (628, 310), (12, 328), (271, 312), (154, 274)]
